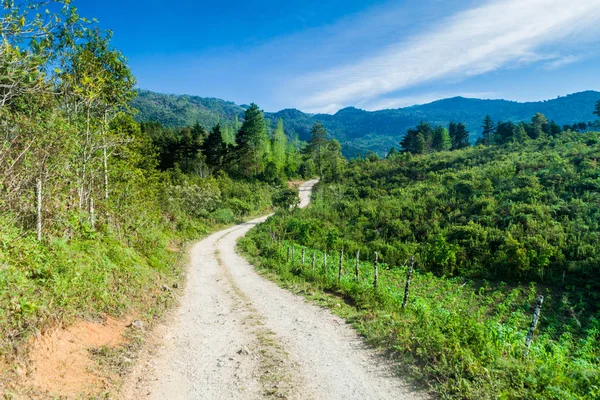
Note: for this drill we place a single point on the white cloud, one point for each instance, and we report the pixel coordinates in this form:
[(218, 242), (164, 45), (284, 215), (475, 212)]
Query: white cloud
[(563, 61), (483, 39)]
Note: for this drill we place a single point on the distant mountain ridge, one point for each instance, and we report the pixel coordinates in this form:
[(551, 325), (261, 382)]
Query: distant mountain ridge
[(359, 130)]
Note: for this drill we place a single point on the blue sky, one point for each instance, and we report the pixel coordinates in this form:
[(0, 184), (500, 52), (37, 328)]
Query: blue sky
[(320, 56)]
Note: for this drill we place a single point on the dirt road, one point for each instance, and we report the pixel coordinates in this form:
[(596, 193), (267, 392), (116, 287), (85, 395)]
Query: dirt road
[(237, 335)]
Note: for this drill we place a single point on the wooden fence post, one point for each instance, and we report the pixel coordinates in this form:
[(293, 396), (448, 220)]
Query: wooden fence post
[(375, 268), (39, 209), (356, 271), (92, 213), (325, 263), (341, 267), (408, 276), (536, 315), (303, 251), (293, 255), (289, 252), (314, 260)]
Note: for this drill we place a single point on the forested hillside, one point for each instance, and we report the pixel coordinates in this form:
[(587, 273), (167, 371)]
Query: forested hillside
[(359, 131), (489, 228)]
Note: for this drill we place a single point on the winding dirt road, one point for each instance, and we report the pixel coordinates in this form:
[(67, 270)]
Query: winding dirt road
[(237, 335)]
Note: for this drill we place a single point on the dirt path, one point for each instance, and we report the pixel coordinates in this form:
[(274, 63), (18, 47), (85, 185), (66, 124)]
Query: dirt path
[(237, 335)]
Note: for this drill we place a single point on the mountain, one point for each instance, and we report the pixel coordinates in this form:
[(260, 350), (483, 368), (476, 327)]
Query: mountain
[(360, 130), (175, 110)]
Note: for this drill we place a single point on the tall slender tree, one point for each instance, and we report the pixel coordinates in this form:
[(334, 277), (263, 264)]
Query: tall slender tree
[(441, 140), (252, 143), (597, 109), (540, 124), (316, 146), (214, 148), (279, 147), (488, 130)]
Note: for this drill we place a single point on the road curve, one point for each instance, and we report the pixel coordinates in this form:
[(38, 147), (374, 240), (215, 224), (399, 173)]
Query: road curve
[(237, 335)]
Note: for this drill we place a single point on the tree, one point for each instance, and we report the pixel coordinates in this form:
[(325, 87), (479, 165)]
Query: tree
[(279, 147), (488, 130), (286, 199), (504, 132), (461, 139), (519, 133), (597, 109), (417, 140), (333, 162), (252, 143), (316, 146), (214, 148), (540, 123), (441, 140)]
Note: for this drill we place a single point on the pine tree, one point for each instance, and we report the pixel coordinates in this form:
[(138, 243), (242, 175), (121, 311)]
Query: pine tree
[(504, 132), (459, 135), (488, 130), (252, 143), (214, 148), (333, 161), (520, 135), (316, 146), (278, 147), (597, 109), (417, 140), (441, 140)]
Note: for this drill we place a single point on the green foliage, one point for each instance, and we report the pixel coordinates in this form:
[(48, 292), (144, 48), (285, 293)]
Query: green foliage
[(359, 131), (253, 145), (114, 194), (473, 218), (441, 140), (286, 199)]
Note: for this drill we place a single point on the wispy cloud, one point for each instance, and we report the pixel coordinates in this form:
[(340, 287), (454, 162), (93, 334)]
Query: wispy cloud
[(563, 61), (498, 34)]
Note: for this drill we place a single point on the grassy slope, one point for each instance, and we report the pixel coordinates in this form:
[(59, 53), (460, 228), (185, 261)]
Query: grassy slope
[(465, 336)]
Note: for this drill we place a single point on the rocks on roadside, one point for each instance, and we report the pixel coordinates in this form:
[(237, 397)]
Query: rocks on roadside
[(137, 324), (244, 351)]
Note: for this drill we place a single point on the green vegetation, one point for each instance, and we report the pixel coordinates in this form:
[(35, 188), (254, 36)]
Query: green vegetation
[(490, 227), (359, 131), (91, 200)]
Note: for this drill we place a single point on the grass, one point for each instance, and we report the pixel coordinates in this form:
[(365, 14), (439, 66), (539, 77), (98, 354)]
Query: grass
[(466, 339)]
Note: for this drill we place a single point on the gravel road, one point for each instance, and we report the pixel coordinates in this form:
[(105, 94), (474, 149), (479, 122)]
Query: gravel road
[(237, 335)]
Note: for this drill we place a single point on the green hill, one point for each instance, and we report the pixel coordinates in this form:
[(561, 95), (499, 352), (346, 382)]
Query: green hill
[(360, 130)]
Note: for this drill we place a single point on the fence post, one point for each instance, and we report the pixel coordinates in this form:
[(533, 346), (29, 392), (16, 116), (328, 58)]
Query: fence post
[(293, 254), (303, 251), (536, 315), (92, 214), (375, 268), (289, 252), (325, 263), (314, 259), (408, 276), (357, 264), (340, 269), (39, 209)]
